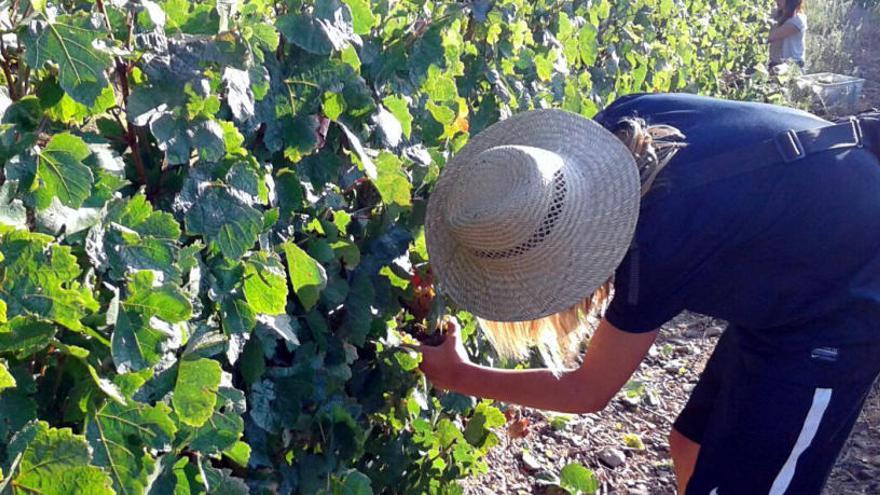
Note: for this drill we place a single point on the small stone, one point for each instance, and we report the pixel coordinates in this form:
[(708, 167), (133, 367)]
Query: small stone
[(612, 457), (714, 331), (673, 366), (545, 475), (638, 489), (865, 474), (685, 350), (875, 460), (530, 462)]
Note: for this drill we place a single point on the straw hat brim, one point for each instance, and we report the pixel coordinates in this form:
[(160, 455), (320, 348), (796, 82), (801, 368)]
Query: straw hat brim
[(581, 252)]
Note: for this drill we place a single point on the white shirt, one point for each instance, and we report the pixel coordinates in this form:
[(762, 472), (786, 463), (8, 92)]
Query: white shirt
[(793, 46)]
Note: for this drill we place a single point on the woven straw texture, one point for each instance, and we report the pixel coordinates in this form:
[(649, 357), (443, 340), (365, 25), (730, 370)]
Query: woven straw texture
[(532, 215)]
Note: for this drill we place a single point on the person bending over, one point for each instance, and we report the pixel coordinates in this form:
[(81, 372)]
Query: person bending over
[(534, 221)]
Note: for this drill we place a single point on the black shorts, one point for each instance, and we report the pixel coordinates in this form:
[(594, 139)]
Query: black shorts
[(771, 421)]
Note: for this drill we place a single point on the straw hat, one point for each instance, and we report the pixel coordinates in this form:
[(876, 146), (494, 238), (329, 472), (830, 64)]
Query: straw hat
[(532, 215)]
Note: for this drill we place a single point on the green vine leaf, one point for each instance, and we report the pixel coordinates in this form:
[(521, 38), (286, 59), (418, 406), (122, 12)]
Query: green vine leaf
[(61, 173), (6, 379), (225, 220), (38, 278), (329, 28), (265, 283), (577, 479), (399, 107), (55, 461), (225, 427), (195, 392), (393, 184), (136, 342), (362, 16), (134, 237), (121, 436), (307, 276), (68, 41)]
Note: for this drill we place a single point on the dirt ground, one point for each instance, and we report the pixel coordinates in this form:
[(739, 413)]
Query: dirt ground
[(608, 442), (866, 55)]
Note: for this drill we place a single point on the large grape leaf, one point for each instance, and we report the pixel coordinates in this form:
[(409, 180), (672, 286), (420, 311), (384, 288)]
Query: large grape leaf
[(61, 173), (265, 283), (134, 237), (164, 301), (195, 392), (68, 41), (58, 219), (399, 107), (136, 341), (307, 276), (223, 429), (16, 409), (225, 220), (39, 278), (177, 137), (222, 481), (24, 336), (362, 16), (237, 315), (356, 483), (55, 462), (329, 28), (393, 184), (190, 17), (120, 437)]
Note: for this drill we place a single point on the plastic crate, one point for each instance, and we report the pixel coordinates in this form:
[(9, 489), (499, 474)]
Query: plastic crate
[(836, 92)]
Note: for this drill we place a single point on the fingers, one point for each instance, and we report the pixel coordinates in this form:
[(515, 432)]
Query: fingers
[(403, 346), (450, 326)]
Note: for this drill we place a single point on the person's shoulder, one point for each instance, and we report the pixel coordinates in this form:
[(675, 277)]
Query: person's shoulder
[(644, 105), (798, 20)]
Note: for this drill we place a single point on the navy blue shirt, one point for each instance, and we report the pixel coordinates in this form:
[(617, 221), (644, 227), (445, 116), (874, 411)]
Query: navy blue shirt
[(783, 247)]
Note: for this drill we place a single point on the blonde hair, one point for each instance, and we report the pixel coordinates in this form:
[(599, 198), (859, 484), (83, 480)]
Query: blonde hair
[(557, 337)]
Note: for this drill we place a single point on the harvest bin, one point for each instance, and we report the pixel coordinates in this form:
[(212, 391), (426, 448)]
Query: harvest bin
[(836, 92)]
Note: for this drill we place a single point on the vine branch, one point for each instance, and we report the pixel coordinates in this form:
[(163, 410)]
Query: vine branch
[(122, 70)]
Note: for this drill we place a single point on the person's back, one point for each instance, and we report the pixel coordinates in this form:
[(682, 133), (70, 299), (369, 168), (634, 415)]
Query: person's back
[(789, 254), (778, 247)]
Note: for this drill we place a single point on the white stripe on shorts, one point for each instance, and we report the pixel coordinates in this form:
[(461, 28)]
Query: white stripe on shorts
[(821, 398)]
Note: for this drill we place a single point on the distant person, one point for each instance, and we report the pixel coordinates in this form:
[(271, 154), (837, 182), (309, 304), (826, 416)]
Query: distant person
[(787, 38)]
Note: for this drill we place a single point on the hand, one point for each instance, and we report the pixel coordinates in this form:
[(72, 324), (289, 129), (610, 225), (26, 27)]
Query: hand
[(443, 363)]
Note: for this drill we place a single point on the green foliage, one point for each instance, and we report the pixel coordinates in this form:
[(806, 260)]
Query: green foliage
[(211, 213), (577, 479)]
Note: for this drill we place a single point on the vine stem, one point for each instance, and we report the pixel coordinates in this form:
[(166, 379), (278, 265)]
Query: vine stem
[(7, 71), (122, 70)]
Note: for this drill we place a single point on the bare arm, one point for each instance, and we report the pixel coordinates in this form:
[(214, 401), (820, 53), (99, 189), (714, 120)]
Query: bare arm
[(781, 32), (612, 357)]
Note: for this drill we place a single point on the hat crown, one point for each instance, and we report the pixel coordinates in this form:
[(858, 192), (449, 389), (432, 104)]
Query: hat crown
[(499, 202)]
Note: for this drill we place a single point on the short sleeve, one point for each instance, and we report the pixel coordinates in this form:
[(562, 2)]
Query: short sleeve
[(799, 21), (677, 253), (650, 283)]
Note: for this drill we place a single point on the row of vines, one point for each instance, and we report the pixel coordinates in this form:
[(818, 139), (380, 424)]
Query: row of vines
[(211, 223)]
